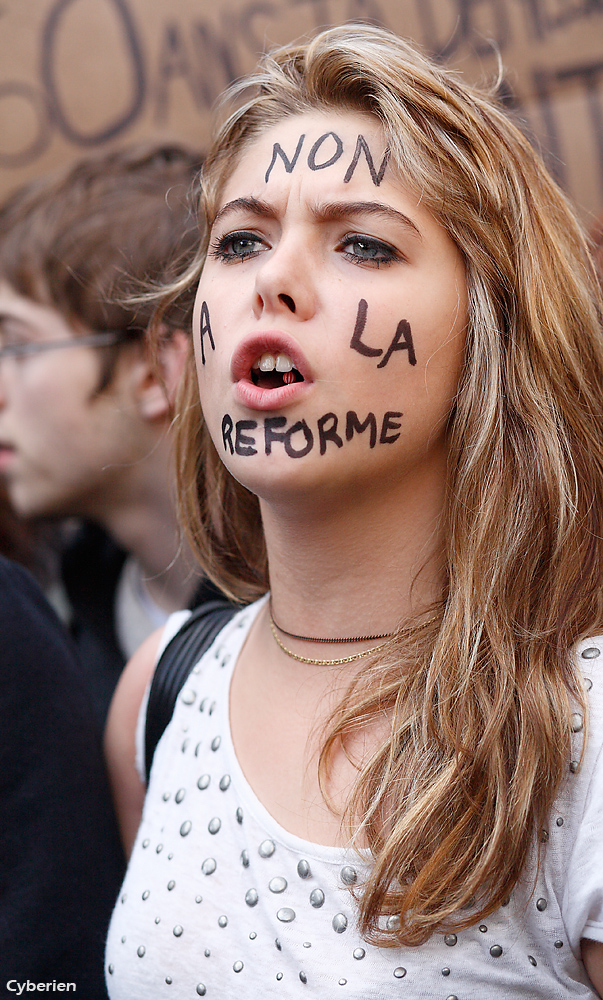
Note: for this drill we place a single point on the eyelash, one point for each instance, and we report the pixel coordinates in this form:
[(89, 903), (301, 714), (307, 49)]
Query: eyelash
[(218, 248)]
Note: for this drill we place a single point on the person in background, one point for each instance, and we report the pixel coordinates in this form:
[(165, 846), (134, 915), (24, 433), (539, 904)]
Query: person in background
[(61, 860), (384, 779), (85, 406)]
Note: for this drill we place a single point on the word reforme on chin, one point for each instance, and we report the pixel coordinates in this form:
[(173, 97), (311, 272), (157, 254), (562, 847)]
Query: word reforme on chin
[(319, 159), (298, 439)]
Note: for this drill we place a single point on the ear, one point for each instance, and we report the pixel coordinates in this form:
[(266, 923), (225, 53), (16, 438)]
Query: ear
[(159, 377)]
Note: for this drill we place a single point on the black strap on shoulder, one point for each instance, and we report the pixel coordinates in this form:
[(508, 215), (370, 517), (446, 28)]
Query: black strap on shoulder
[(175, 664)]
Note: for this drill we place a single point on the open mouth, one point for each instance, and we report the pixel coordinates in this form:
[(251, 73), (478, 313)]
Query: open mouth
[(272, 371)]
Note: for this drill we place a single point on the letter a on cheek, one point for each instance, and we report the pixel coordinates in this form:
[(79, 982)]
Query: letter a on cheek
[(205, 329)]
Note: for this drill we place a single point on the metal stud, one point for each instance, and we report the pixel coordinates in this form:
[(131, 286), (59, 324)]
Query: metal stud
[(166, 796), (224, 782), (203, 782), (238, 966), (348, 875), (400, 972), (180, 794), (303, 869), (303, 977), (141, 951), (392, 923), (212, 708), (204, 702), (207, 952), (590, 653), (452, 996), (168, 980), (185, 744), (278, 945), (252, 935), (544, 836), (198, 899), (159, 848), (307, 944), (186, 828), (588, 683), (450, 940), (496, 951), (223, 921), (188, 696), (266, 849), (279, 976), (170, 856), (483, 928), (343, 982), (178, 930), (209, 866), (559, 821), (317, 898), (157, 921), (541, 904), (285, 915), (574, 766), (532, 960), (201, 991), (277, 884), (558, 944), (197, 748), (123, 940), (339, 923), (577, 723), (359, 954), (245, 858), (214, 825), (251, 897), (239, 815), (111, 970), (171, 885), (446, 971), (215, 743), (124, 897), (146, 842), (146, 894)]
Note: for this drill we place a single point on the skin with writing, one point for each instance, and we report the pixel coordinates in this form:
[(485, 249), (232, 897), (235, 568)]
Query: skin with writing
[(321, 261), (276, 431)]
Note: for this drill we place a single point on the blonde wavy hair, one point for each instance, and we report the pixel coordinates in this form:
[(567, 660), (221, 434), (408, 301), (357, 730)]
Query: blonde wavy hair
[(480, 700)]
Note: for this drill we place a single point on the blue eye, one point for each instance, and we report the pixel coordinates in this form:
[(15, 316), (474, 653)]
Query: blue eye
[(367, 250), (236, 246)]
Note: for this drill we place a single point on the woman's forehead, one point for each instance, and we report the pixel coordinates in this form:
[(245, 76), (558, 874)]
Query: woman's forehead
[(338, 147)]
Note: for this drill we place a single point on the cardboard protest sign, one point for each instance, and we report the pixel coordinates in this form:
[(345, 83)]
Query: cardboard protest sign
[(80, 75)]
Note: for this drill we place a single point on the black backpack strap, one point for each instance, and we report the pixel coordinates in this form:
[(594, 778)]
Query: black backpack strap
[(175, 664)]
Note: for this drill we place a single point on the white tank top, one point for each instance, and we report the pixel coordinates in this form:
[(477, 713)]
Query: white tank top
[(220, 901)]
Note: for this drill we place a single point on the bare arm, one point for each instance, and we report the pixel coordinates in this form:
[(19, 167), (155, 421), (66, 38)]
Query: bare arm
[(592, 956), (120, 748)]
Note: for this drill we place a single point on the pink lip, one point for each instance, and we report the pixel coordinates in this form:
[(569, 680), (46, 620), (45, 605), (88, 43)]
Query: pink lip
[(248, 351)]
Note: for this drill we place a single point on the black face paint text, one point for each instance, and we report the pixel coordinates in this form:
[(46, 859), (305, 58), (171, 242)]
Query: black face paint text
[(319, 159), (401, 341), (298, 439)]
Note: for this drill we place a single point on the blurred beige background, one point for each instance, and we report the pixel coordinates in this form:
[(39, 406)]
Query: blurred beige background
[(80, 75)]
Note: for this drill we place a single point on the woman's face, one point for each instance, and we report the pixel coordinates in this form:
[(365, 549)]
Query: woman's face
[(330, 316)]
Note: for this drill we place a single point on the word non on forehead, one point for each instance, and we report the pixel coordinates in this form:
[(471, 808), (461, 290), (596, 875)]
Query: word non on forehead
[(401, 341), (298, 439), (325, 152)]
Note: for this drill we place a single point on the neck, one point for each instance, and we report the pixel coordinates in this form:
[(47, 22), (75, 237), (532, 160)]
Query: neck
[(142, 519), (357, 568)]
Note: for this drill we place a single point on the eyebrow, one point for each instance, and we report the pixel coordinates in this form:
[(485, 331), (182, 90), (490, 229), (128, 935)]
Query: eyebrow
[(329, 212)]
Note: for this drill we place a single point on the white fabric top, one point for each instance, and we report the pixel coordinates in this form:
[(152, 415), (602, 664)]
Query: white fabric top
[(221, 901)]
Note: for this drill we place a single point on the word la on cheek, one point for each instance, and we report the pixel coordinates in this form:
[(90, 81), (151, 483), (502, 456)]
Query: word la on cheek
[(319, 159), (205, 326), (397, 344), (299, 439)]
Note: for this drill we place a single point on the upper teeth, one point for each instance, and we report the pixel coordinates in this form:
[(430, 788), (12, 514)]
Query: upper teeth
[(268, 363)]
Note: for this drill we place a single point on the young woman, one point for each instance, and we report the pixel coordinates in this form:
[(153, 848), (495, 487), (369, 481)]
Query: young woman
[(382, 779)]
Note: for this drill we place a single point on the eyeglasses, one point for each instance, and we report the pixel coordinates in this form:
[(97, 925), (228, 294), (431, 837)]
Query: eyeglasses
[(24, 349)]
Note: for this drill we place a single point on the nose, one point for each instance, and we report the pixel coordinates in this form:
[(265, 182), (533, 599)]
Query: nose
[(285, 281)]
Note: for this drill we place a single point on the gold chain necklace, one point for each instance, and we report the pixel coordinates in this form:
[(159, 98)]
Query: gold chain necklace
[(323, 663)]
